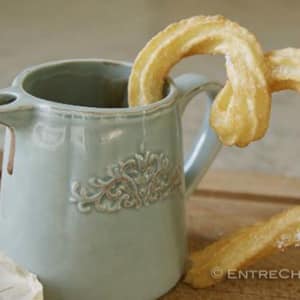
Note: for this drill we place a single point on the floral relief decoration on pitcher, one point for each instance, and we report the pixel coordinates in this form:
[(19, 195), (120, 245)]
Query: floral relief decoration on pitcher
[(142, 179)]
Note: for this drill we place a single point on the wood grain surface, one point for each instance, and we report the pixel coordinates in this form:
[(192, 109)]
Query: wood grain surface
[(226, 201)]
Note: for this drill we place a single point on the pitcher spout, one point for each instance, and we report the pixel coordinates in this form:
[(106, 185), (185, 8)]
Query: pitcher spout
[(11, 105)]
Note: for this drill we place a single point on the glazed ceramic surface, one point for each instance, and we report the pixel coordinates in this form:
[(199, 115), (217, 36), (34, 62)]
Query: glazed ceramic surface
[(92, 194)]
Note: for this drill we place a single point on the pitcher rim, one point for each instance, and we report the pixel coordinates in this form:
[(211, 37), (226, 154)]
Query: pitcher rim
[(43, 104)]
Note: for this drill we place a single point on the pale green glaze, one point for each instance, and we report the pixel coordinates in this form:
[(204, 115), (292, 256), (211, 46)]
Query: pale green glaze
[(79, 249)]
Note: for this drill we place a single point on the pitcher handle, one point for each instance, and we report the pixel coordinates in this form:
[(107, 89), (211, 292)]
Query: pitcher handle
[(207, 144)]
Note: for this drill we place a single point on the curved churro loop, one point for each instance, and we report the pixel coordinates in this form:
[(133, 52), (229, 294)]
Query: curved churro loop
[(244, 248), (241, 111)]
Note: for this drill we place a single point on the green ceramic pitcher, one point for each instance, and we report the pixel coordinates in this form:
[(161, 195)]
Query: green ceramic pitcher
[(92, 195)]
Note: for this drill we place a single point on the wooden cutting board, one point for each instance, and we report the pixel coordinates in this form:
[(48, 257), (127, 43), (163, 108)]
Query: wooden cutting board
[(226, 201)]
